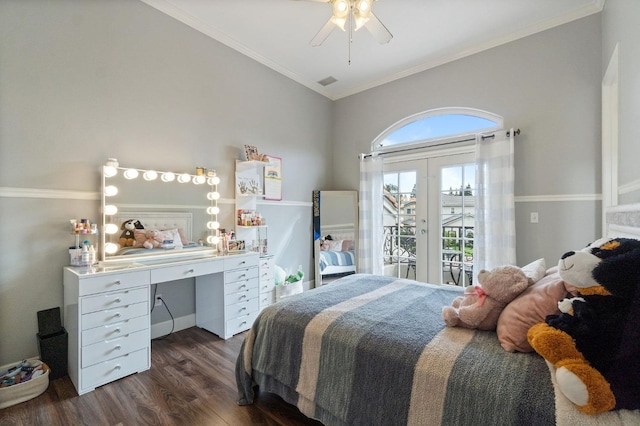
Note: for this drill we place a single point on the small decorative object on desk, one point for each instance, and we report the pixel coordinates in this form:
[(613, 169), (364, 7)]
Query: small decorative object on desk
[(236, 245), (83, 254)]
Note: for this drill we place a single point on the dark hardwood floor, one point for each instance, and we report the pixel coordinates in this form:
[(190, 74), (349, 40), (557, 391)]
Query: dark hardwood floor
[(191, 382)]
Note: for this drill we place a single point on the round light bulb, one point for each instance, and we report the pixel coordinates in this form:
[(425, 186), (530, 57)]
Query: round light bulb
[(184, 178), (110, 248), (110, 228), (199, 180), (109, 171), (110, 209), (213, 225), (214, 180), (110, 190), (213, 195), (210, 239), (213, 210), (150, 175), (130, 173), (168, 177), (215, 240)]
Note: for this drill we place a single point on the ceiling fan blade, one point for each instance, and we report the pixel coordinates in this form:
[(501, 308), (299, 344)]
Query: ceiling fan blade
[(377, 29), (323, 33)]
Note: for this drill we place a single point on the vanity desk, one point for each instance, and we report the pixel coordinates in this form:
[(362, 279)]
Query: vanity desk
[(107, 310)]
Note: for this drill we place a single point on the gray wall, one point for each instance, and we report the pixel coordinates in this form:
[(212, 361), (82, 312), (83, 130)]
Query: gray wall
[(620, 26), (548, 86), (81, 81)]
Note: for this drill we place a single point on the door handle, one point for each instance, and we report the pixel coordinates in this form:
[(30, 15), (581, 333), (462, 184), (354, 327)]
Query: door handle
[(423, 231)]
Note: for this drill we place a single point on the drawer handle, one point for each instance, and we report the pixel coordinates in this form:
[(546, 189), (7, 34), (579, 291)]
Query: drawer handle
[(117, 367), (117, 348), (243, 309), (117, 330), (117, 300), (243, 262), (117, 282), (117, 315), (190, 271), (243, 323), (242, 276), (242, 286), (244, 296)]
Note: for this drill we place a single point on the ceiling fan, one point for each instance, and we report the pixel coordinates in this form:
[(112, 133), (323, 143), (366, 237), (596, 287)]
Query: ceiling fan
[(356, 14)]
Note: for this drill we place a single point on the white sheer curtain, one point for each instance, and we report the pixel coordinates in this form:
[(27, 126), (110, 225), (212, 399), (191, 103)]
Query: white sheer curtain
[(370, 244), (495, 228)]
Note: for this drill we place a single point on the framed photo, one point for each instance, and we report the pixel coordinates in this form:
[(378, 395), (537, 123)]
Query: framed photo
[(251, 152), (273, 178)]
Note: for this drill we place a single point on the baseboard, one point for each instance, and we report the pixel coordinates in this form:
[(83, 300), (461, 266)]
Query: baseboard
[(163, 328)]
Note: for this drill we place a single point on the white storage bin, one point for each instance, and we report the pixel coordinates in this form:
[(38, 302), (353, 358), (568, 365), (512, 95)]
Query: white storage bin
[(288, 289)]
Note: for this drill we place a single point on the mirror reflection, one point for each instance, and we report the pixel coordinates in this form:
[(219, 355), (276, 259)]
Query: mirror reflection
[(335, 224), (150, 213)]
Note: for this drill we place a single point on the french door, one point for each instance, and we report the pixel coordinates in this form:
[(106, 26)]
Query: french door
[(428, 218)]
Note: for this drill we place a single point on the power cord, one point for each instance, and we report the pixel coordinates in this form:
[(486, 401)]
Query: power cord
[(173, 321)]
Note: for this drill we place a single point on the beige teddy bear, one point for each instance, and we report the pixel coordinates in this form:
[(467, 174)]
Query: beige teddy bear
[(480, 306), (154, 239)]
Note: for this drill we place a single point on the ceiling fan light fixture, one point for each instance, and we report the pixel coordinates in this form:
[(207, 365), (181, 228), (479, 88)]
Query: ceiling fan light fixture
[(340, 13), (340, 22), (361, 13)]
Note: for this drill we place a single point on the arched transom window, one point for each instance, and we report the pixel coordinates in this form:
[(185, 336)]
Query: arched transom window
[(435, 126)]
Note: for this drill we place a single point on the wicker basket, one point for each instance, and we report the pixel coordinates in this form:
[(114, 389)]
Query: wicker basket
[(15, 394)]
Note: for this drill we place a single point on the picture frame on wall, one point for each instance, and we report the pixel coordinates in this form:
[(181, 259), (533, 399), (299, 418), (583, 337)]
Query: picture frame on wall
[(273, 178)]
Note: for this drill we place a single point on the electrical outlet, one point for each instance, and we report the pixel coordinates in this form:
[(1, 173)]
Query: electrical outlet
[(158, 300), (534, 217)]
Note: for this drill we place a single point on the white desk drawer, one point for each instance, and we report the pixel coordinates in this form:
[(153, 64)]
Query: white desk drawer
[(240, 274), (267, 299), (245, 307), (111, 282), (114, 348), (232, 287), (188, 270), (114, 299), (233, 262), (114, 369), (240, 324), (267, 286), (110, 316), (240, 296), (111, 331), (266, 263)]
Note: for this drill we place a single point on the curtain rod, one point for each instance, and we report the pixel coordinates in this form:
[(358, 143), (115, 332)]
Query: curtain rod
[(491, 136)]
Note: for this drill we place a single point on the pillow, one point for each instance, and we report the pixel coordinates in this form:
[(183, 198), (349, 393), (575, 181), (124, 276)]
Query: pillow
[(333, 245), (529, 308), (347, 245), (535, 271), (173, 234)]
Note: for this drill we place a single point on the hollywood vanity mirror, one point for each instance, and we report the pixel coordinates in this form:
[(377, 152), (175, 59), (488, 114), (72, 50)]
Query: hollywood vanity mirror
[(180, 208)]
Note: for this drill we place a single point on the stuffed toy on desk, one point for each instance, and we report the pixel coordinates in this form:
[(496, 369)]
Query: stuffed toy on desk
[(595, 342)]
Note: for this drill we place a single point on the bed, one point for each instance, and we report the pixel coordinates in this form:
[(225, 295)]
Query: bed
[(336, 252), (374, 350)]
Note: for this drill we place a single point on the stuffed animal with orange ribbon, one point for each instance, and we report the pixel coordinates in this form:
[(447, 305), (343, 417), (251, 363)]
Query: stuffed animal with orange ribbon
[(480, 306)]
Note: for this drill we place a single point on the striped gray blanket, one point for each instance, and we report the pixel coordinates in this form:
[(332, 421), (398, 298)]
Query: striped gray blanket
[(374, 350)]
